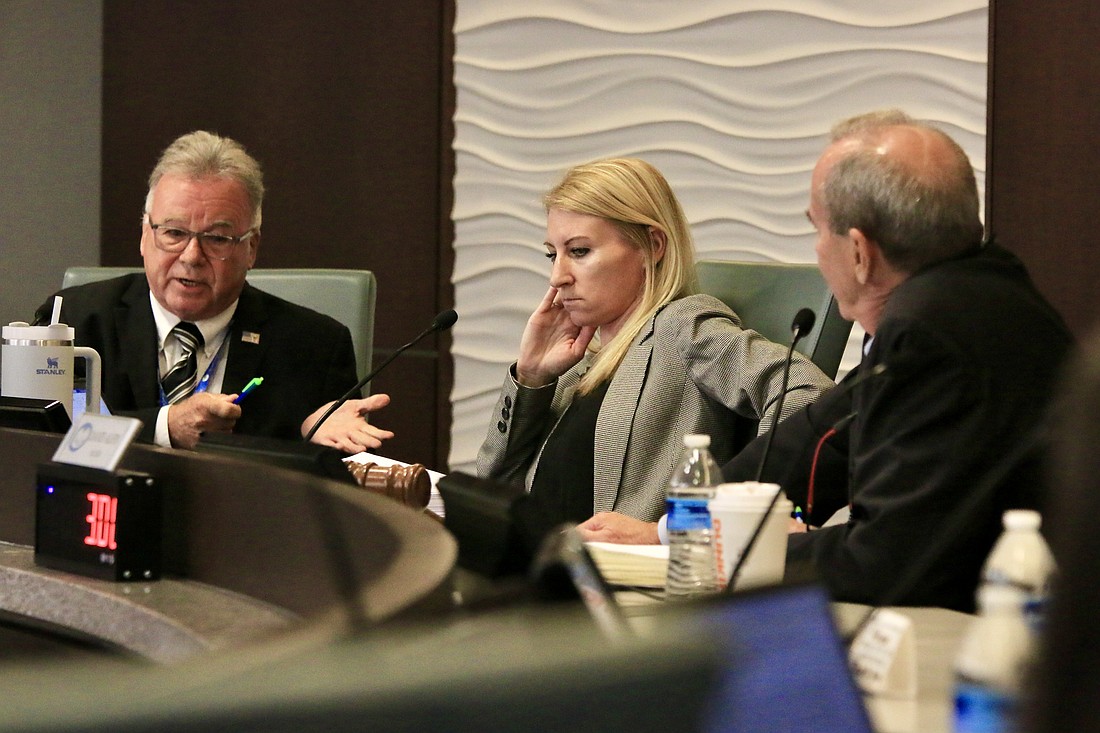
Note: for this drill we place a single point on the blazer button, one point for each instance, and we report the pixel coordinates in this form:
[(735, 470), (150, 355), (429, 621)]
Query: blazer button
[(502, 426), (505, 413), (508, 402)]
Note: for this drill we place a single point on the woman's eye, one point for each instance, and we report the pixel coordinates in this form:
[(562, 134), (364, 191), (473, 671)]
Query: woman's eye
[(551, 256), (579, 251)]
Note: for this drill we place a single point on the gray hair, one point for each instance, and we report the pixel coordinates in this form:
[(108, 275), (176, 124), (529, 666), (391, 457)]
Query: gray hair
[(917, 214), (202, 154)]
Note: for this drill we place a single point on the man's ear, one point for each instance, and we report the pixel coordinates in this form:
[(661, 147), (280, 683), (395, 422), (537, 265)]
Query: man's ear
[(866, 255), (254, 249)]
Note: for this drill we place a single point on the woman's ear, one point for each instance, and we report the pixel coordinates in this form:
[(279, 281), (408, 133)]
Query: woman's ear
[(658, 240)]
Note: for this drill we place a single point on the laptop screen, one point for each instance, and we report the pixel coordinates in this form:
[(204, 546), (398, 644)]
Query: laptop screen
[(788, 665)]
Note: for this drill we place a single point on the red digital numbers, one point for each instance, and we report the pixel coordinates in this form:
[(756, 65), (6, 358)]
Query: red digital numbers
[(101, 518)]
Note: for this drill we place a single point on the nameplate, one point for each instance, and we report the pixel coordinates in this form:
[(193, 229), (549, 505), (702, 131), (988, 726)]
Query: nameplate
[(883, 657), (97, 441)]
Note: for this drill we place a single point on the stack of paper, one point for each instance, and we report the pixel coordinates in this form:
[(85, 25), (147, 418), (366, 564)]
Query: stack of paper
[(631, 565)]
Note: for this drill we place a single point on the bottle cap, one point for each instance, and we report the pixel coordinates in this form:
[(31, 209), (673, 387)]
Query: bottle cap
[(697, 440), (1017, 519)]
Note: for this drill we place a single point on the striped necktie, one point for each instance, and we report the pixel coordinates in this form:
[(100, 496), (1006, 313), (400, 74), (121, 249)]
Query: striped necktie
[(180, 379)]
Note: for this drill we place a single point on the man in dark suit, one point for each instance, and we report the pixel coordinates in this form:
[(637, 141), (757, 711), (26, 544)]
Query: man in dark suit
[(949, 430), (179, 342)]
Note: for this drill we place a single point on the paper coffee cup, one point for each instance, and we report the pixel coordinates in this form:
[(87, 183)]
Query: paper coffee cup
[(735, 511)]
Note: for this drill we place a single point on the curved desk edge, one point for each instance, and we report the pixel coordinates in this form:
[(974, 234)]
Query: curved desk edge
[(166, 621), (242, 535)]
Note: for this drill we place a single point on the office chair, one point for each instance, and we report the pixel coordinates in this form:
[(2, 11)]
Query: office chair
[(766, 295), (346, 295)]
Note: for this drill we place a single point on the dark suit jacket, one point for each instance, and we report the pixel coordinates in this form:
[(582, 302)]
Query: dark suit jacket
[(305, 358), (972, 352)]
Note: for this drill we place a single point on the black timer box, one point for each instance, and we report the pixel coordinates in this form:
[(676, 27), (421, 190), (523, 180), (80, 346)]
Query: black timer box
[(97, 523)]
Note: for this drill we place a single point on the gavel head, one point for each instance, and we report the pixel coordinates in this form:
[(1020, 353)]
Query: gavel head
[(409, 485)]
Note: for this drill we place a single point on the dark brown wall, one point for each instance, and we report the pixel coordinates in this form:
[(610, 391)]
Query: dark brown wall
[(347, 105), (1043, 194)]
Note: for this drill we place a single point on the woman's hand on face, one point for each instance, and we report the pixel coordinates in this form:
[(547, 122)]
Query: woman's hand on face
[(551, 344)]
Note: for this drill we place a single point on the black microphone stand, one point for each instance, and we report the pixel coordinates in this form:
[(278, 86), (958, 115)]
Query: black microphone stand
[(803, 323), (442, 322)]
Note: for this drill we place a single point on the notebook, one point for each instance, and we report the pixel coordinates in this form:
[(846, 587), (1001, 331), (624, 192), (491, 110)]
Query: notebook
[(641, 566)]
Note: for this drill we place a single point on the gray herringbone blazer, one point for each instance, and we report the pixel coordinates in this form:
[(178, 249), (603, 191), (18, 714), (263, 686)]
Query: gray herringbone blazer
[(691, 368)]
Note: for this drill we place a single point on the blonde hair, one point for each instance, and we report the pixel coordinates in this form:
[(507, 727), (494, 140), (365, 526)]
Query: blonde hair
[(635, 198)]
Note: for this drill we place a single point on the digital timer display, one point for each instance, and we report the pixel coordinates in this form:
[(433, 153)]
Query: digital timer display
[(101, 517), (98, 523)]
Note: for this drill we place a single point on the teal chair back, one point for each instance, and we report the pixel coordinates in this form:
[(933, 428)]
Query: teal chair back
[(346, 295), (766, 295)]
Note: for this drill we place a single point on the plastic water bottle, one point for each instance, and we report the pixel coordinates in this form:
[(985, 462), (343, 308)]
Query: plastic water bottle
[(992, 660), (692, 569), (1022, 558)]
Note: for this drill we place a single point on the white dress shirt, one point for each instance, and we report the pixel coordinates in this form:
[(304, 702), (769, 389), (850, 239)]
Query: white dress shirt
[(214, 331)]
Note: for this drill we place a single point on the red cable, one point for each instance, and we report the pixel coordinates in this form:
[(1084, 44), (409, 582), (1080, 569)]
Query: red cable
[(813, 470)]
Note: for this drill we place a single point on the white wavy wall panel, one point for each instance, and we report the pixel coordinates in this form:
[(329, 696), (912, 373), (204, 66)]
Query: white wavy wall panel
[(731, 100)]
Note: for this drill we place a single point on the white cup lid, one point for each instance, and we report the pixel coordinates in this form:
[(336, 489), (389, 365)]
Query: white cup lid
[(54, 332), (750, 495)]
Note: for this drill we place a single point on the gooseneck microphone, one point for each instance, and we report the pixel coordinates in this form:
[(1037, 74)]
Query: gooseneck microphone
[(801, 325), (845, 386), (441, 322)]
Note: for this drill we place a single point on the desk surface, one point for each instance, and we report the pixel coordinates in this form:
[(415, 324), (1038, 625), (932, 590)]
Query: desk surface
[(164, 621), (938, 634)]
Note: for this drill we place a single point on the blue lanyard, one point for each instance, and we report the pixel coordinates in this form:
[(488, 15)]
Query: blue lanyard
[(204, 383)]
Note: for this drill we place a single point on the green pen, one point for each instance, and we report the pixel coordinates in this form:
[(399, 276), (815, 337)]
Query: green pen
[(253, 384)]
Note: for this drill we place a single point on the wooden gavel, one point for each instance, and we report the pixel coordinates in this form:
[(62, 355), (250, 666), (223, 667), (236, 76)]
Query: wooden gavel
[(409, 484)]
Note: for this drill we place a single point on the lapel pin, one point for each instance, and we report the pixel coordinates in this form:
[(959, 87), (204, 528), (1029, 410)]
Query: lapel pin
[(250, 337)]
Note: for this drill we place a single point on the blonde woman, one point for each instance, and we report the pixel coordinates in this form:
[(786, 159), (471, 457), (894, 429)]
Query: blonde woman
[(623, 357)]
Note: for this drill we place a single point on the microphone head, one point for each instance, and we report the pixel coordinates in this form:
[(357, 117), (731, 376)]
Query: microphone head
[(803, 322), (446, 319)]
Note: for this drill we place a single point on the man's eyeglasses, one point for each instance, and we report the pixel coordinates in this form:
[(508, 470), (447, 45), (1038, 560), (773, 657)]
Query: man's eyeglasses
[(171, 238)]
